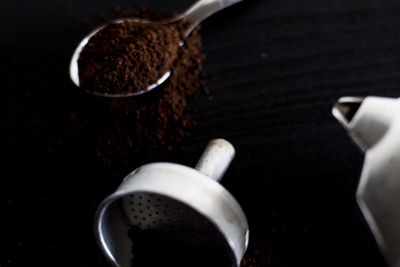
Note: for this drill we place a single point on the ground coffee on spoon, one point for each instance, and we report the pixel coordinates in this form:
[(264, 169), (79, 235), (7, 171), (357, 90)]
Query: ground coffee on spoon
[(129, 56), (120, 128)]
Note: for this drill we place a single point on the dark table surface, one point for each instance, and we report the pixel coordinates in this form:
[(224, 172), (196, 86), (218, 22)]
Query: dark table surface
[(274, 69)]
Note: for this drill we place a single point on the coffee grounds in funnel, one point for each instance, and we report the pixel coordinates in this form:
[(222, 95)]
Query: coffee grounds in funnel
[(150, 249)]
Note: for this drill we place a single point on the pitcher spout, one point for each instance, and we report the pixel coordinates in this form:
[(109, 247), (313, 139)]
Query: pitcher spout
[(366, 119)]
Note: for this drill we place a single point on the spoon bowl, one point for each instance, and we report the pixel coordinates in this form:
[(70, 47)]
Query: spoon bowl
[(74, 67), (195, 14)]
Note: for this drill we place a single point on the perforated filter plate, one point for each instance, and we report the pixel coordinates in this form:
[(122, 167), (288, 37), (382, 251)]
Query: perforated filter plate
[(173, 220)]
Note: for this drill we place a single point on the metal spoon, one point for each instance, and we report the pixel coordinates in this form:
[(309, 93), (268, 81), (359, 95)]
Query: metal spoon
[(196, 14)]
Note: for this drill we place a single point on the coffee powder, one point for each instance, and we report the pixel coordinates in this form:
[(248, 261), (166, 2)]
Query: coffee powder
[(125, 131), (152, 249), (129, 56)]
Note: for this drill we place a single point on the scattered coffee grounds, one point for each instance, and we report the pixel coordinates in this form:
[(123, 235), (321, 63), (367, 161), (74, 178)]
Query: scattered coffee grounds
[(259, 253), (129, 56), (278, 241), (151, 249), (127, 131)]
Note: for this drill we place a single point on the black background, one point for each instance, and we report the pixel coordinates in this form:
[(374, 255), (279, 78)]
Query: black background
[(274, 68)]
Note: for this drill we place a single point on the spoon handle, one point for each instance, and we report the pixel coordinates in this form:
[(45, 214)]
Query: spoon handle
[(202, 9)]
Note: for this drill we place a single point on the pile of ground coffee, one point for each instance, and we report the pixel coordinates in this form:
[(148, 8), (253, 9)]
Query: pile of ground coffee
[(127, 131), (129, 56)]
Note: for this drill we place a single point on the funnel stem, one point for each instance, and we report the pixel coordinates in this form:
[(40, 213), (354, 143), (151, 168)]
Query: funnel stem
[(216, 159)]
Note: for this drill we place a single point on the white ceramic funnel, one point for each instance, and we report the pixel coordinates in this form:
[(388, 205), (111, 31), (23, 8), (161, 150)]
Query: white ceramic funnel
[(178, 202)]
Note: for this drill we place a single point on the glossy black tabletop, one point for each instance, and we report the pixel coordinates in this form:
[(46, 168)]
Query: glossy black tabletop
[(274, 69)]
